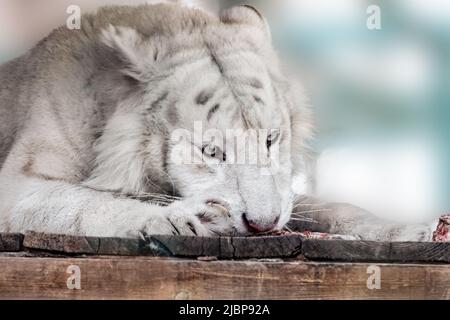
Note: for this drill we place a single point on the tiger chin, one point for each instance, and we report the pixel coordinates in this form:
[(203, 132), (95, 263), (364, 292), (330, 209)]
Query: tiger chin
[(88, 116)]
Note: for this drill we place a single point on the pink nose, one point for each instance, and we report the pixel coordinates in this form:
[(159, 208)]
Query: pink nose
[(254, 227)]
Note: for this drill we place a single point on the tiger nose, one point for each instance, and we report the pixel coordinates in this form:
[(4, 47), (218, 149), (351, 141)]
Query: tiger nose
[(255, 227)]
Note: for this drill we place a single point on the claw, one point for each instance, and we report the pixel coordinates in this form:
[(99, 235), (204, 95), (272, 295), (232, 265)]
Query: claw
[(223, 208), (142, 234)]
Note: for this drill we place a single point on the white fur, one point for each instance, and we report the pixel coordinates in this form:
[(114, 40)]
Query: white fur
[(108, 79)]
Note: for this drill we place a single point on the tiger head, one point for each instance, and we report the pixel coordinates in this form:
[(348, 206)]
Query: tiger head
[(206, 112)]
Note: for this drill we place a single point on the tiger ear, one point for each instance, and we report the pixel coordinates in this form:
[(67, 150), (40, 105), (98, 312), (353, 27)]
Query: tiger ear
[(130, 49), (246, 14)]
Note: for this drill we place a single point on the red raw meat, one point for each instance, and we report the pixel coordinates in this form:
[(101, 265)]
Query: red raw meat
[(442, 233), (317, 235)]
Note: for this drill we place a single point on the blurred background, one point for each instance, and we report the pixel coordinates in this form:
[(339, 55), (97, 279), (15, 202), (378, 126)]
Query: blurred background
[(381, 97)]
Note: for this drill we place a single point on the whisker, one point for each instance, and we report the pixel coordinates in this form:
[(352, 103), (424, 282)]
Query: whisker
[(304, 219), (159, 196), (165, 194), (150, 196), (149, 199), (148, 181), (297, 206), (215, 232), (309, 211), (170, 179)]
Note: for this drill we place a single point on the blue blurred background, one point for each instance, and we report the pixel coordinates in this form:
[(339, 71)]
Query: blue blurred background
[(381, 97)]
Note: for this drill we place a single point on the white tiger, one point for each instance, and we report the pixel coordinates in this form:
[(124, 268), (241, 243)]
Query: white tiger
[(87, 118)]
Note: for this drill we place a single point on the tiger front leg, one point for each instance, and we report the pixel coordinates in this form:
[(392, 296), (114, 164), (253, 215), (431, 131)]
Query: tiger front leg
[(58, 207)]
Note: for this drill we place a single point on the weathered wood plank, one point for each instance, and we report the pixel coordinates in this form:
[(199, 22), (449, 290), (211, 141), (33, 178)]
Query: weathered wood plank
[(164, 245), (183, 246), (341, 250), (66, 244), (261, 247), (10, 242), (171, 278), (243, 247), (229, 247)]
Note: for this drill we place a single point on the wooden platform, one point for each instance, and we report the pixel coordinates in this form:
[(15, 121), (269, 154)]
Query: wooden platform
[(161, 267)]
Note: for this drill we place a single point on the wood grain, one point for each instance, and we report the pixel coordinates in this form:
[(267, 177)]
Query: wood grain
[(229, 247), (10, 242), (164, 245), (173, 278), (242, 247), (66, 244), (341, 250)]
